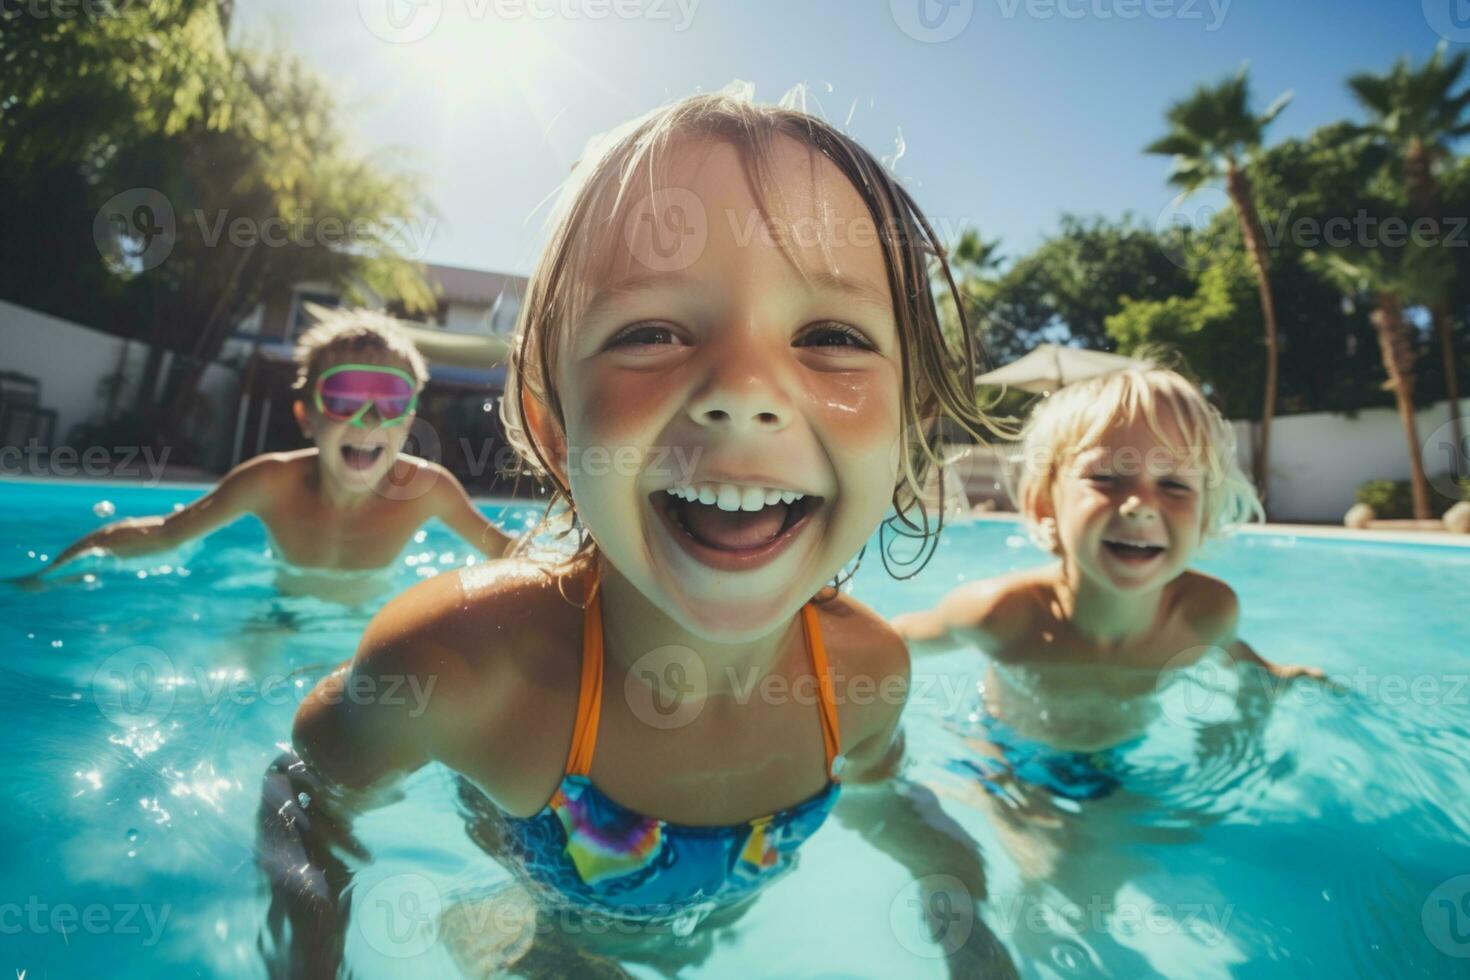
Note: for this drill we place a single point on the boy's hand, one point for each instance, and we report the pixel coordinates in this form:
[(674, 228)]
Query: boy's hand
[(1289, 672)]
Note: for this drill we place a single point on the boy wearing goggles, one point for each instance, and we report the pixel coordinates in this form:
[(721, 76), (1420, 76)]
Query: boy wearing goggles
[(353, 501)]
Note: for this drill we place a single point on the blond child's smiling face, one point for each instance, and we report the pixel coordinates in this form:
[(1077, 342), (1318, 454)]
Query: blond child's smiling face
[(356, 458), (1130, 511), (768, 402)]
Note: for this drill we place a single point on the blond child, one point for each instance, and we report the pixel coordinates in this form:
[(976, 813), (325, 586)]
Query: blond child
[(351, 502), (1122, 478)]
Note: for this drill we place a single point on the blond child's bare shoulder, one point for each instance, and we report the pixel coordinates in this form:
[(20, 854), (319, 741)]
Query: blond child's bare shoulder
[(1209, 607)]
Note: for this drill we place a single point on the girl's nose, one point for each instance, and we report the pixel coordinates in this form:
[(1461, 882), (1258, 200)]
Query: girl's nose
[(740, 396)]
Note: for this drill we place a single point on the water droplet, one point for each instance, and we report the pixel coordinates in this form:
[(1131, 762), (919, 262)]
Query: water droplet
[(132, 854), (132, 835), (304, 799), (56, 644), (104, 508)]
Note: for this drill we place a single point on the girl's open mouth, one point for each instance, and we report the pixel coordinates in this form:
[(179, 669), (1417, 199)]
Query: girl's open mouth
[(361, 457), (733, 528), (1134, 552)]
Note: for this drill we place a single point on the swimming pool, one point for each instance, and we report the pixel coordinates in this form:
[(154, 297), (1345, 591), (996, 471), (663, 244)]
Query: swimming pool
[(143, 706)]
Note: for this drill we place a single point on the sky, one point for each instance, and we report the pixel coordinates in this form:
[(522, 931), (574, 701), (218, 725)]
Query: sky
[(1002, 114)]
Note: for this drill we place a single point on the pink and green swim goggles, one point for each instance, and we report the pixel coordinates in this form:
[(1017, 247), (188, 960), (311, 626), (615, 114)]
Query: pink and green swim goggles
[(345, 393)]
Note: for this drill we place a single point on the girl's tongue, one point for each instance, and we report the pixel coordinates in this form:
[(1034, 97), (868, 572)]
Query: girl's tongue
[(731, 530)]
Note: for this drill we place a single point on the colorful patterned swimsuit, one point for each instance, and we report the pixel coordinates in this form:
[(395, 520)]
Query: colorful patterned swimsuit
[(598, 855)]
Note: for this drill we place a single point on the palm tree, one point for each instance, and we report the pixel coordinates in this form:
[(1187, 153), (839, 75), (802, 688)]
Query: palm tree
[(1415, 114), (1212, 137), (1395, 279)]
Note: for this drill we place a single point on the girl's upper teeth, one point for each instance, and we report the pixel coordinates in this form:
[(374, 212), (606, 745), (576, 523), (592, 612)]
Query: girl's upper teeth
[(728, 496)]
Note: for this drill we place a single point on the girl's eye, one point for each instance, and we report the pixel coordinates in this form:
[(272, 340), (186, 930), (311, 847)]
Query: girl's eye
[(644, 335), (834, 334), (1178, 486), (1103, 478)]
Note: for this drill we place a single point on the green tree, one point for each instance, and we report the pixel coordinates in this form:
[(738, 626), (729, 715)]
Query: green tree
[(1415, 114), (1066, 288), (1213, 136), (245, 146)]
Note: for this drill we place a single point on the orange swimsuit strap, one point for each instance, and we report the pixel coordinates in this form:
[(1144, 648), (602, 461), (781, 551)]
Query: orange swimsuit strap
[(589, 695)]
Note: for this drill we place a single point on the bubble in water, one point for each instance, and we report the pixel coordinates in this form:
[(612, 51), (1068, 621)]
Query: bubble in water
[(1070, 956), (420, 537), (56, 644), (104, 508), (132, 854), (132, 835)]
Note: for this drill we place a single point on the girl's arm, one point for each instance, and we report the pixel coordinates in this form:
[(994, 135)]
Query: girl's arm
[(235, 496), (454, 507), (903, 819), (370, 722)]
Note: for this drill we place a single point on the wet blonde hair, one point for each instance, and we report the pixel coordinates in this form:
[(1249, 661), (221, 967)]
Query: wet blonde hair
[(616, 177), (344, 331), (1077, 418)]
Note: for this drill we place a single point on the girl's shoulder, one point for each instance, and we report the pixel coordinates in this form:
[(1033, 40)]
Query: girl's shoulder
[(869, 666), (494, 626)]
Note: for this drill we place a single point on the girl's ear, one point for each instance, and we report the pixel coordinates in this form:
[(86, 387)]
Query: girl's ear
[(546, 434), (298, 409)]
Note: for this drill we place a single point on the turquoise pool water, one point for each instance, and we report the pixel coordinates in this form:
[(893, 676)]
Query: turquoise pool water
[(1333, 839)]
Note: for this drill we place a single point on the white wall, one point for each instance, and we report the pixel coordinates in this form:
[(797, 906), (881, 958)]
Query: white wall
[(67, 359), (70, 360), (1318, 459), (465, 318)]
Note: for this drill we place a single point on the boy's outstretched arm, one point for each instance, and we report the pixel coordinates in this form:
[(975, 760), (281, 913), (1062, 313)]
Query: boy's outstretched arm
[(453, 506), (234, 496), (1219, 618), (982, 613)]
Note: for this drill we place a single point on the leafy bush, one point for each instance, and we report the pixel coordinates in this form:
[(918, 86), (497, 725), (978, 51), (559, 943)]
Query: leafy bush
[(1394, 499)]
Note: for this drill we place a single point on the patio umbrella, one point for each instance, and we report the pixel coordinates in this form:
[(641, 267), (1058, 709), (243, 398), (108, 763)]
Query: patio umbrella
[(1052, 366)]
